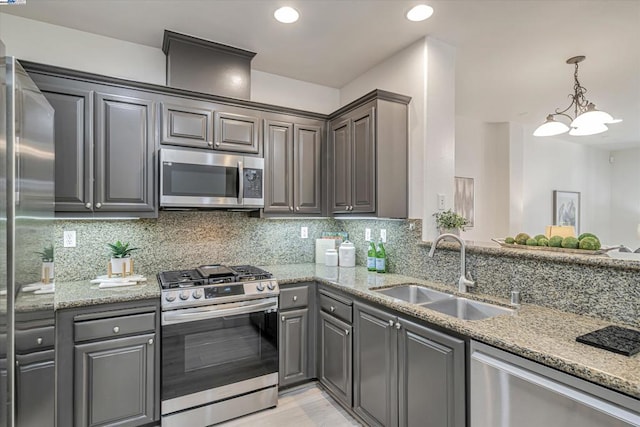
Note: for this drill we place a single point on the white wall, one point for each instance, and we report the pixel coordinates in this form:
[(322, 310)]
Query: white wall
[(65, 47), (625, 198)]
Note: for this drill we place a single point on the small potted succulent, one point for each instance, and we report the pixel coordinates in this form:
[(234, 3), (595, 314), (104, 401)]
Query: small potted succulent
[(47, 261), (120, 255), (450, 222)]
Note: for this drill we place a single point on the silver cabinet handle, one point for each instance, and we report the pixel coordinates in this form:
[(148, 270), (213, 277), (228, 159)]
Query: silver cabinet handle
[(346, 332), (346, 208), (291, 208), (98, 205), (116, 329), (283, 318), (295, 297), (298, 208), (210, 143), (350, 208), (398, 325), (39, 341), (218, 144), (332, 308), (87, 205), (150, 342), (391, 322)]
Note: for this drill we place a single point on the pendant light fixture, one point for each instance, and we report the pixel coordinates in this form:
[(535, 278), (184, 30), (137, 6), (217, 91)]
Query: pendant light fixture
[(586, 120)]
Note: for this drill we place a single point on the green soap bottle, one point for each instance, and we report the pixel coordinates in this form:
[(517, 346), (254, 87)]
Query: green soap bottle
[(371, 257), (381, 259)]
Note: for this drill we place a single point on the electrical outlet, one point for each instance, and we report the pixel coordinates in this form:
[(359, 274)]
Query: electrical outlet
[(70, 239), (441, 201), (367, 234), (383, 235), (304, 232)]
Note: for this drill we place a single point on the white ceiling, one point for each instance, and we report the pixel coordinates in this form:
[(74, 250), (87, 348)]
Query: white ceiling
[(510, 53)]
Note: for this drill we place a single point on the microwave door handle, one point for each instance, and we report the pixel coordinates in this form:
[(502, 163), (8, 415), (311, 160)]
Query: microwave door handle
[(241, 183), (179, 316)]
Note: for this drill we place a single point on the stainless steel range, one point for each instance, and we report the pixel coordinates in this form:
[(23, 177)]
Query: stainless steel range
[(219, 344)]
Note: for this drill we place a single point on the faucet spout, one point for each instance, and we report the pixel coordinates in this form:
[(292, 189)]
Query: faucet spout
[(465, 281)]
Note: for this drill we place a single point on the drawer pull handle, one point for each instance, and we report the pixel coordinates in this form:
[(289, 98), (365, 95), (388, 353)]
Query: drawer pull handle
[(98, 205), (39, 341), (391, 323), (398, 326), (210, 143), (116, 329), (283, 319), (332, 308), (295, 297), (150, 341), (87, 205), (346, 332)]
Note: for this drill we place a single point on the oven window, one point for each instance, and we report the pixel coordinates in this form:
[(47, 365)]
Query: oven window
[(182, 179), (205, 354), (223, 346)]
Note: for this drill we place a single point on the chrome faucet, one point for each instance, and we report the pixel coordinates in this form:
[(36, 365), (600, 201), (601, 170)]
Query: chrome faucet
[(465, 281)]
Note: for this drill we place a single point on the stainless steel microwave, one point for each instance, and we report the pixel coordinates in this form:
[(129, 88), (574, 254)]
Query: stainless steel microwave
[(202, 179)]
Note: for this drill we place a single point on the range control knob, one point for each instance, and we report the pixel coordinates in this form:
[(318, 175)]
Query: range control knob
[(184, 295), (271, 286), (197, 293), (260, 287), (171, 296)]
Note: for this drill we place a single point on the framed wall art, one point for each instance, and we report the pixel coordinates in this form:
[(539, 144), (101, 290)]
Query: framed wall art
[(463, 198), (566, 209)]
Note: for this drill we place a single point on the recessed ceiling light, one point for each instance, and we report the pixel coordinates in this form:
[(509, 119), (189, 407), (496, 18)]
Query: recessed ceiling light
[(419, 13), (286, 15)]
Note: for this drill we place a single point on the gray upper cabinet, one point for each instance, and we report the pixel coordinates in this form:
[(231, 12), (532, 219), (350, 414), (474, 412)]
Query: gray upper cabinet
[(73, 146), (187, 126), (293, 166), (124, 146), (368, 149), (114, 382), (406, 374), (239, 133)]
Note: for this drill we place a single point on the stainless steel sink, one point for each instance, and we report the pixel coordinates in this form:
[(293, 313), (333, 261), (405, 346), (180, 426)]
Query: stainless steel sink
[(415, 294), (465, 309)]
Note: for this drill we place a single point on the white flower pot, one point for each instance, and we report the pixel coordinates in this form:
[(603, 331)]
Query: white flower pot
[(49, 266), (443, 230), (117, 263)]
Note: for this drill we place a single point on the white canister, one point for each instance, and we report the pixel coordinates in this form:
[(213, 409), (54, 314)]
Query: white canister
[(331, 258), (347, 254)]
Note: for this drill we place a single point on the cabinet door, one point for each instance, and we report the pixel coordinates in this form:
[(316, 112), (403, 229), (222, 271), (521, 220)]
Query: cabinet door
[(293, 336), (340, 157), (307, 169), (278, 159), (335, 357), (188, 126), (35, 388), (124, 168), (364, 162), (431, 377), (237, 132), (114, 382), (375, 366), (73, 146)]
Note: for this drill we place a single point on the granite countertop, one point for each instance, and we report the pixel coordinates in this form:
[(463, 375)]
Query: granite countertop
[(541, 334), (82, 293)]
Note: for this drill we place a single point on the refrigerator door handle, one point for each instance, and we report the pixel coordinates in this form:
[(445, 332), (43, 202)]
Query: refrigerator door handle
[(18, 170)]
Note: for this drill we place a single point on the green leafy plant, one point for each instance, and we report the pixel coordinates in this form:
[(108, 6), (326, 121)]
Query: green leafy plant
[(120, 250), (450, 219), (46, 254)]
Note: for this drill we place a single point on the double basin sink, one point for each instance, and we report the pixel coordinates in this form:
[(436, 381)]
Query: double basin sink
[(442, 302)]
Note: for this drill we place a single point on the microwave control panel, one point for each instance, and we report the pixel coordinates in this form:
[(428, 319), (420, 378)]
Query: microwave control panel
[(252, 183)]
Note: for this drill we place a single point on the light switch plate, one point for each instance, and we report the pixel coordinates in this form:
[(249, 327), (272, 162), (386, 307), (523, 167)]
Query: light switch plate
[(304, 232), (367, 234), (383, 235), (70, 239)]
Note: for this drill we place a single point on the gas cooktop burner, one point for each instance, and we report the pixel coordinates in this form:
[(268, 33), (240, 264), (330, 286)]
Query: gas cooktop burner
[(210, 275)]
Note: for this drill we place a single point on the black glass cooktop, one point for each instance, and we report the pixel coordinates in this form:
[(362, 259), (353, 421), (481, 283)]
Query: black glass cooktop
[(614, 338)]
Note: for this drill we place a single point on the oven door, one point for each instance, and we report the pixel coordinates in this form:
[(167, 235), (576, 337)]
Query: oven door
[(212, 347)]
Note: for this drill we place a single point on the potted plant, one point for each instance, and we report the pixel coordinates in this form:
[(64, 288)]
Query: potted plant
[(47, 261), (120, 255), (450, 222)]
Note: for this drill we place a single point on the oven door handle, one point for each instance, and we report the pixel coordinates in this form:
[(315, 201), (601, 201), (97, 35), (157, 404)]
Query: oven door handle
[(216, 311)]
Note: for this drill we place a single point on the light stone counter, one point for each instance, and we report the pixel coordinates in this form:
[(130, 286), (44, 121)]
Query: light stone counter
[(541, 334), (82, 293)]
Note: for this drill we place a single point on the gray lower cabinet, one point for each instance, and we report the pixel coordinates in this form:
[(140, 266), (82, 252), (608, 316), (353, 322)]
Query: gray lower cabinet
[(35, 385), (293, 346), (335, 357), (293, 167), (406, 374), (114, 381)]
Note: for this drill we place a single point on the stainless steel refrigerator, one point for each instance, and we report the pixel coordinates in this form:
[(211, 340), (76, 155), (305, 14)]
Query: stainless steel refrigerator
[(27, 373)]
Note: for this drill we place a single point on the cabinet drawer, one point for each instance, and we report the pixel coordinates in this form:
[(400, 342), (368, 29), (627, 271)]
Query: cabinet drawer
[(115, 326), (294, 297), (34, 339), (339, 309)]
